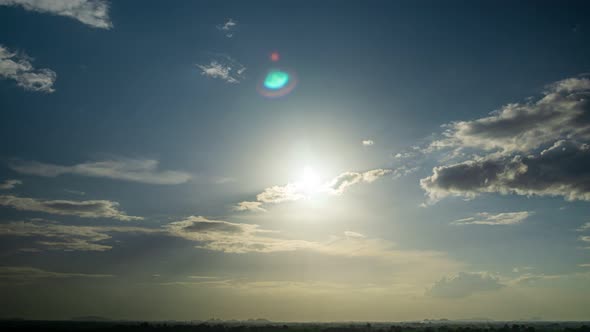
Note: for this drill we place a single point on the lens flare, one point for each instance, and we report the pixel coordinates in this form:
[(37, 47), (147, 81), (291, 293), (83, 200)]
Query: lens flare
[(277, 83), (276, 79), (275, 56)]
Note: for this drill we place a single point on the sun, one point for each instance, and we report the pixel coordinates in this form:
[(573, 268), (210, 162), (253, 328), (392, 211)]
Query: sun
[(310, 180)]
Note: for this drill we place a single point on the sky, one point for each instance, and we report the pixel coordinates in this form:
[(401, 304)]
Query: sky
[(295, 160)]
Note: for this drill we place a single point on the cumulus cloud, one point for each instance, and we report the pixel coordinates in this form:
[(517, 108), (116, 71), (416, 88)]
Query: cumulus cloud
[(9, 184), (300, 190), (18, 67), (561, 170), (562, 113), (228, 28), (84, 209), (54, 236), (136, 170), (464, 284), (94, 13), (224, 68), (534, 148), (26, 274), (484, 218), (368, 142)]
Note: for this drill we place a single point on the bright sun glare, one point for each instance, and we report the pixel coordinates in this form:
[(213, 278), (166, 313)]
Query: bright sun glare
[(310, 180)]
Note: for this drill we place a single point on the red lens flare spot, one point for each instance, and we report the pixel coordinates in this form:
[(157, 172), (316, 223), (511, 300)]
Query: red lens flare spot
[(275, 56)]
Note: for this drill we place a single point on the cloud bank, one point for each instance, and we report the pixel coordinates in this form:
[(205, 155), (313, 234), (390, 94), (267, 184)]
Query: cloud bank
[(484, 218)]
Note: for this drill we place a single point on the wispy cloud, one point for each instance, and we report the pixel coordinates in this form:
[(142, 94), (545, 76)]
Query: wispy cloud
[(228, 28), (484, 218), (135, 170), (94, 13), (224, 68), (9, 184), (18, 67), (54, 236), (26, 274), (84, 209), (300, 190)]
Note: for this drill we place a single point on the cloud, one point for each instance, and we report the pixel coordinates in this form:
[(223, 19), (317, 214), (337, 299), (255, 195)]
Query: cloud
[(230, 237), (537, 148), (464, 284), (280, 194), (54, 236), (135, 170), (10, 184), (84, 209), (368, 142), (584, 265), (484, 218), (18, 67), (26, 274), (584, 227), (228, 28), (224, 68), (561, 170), (94, 13), (240, 238), (347, 179), (299, 190), (249, 206), (562, 113)]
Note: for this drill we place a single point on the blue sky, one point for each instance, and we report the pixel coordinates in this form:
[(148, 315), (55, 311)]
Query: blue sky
[(431, 160)]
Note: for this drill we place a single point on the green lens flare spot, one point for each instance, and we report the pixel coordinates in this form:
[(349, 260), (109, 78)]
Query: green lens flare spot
[(276, 79)]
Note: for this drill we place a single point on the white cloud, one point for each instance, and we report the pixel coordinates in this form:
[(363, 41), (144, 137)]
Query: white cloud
[(584, 265), (94, 13), (9, 184), (464, 284), (84, 209), (224, 68), (347, 179), (18, 67), (54, 236), (484, 218), (136, 170), (228, 28), (299, 190), (249, 206), (368, 142)]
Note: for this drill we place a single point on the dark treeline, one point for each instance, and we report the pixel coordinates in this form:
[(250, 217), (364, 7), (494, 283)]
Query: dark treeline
[(70, 326)]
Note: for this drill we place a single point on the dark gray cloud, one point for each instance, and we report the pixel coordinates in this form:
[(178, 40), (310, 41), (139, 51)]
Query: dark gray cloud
[(561, 170), (464, 284)]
